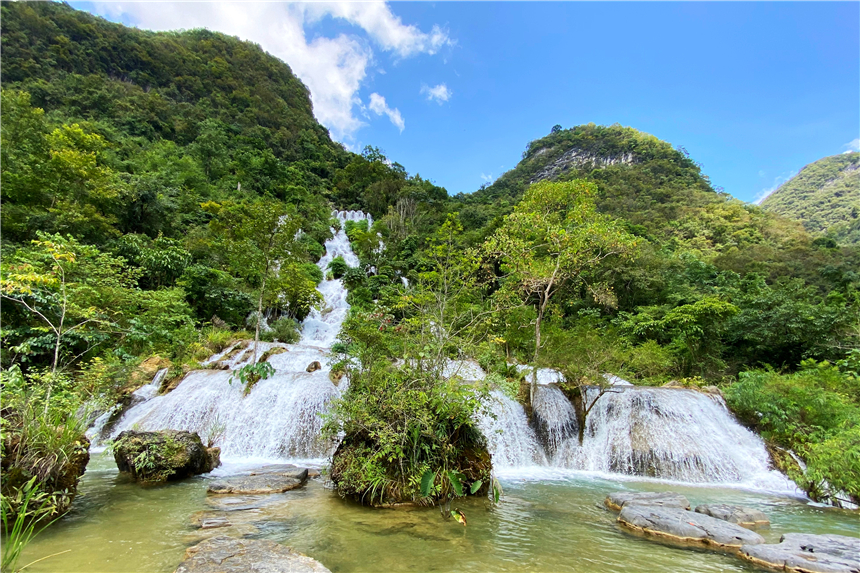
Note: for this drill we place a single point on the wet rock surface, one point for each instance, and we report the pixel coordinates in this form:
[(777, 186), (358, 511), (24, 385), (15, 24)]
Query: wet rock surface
[(168, 455), (804, 553), (231, 555), (619, 500), (743, 516), (686, 527), (276, 481)]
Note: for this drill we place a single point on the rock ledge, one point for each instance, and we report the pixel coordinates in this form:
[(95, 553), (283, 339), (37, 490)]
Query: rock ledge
[(686, 527), (230, 555), (803, 553)]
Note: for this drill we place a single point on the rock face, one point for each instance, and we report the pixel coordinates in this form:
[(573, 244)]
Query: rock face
[(617, 501), (260, 483), (230, 555), (686, 527), (164, 455), (743, 516), (808, 554)]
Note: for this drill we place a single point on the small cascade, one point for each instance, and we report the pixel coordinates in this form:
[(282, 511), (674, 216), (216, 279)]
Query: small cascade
[(510, 439), (554, 417), (281, 417), (670, 433)]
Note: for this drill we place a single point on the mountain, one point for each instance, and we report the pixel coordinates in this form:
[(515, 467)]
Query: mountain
[(824, 196)]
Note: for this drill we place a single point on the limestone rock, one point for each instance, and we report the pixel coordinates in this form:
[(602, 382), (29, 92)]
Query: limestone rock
[(686, 527), (803, 553), (616, 501), (314, 366), (743, 516), (230, 555), (259, 483), (168, 455)]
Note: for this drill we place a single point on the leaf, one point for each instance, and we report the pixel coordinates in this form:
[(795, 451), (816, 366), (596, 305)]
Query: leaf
[(427, 482), (476, 486), (455, 482), (459, 516), (497, 490)]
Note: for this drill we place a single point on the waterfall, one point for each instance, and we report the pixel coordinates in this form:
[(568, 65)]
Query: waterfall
[(510, 440), (664, 433), (281, 416), (554, 416), (670, 433)]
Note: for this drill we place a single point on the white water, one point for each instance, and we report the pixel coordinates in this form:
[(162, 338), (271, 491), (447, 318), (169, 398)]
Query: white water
[(668, 434), (554, 416), (281, 417), (510, 439)]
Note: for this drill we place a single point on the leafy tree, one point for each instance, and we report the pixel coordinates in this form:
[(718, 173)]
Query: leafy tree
[(554, 237), (262, 237)]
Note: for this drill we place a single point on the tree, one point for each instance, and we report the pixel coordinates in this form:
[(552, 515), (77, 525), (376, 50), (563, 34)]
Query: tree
[(553, 238), (263, 236), (68, 287)]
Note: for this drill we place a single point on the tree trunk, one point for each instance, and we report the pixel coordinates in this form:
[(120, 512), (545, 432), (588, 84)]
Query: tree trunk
[(259, 320)]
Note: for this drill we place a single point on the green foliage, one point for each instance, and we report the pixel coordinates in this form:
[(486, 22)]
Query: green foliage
[(815, 412), (824, 196), (285, 329), (151, 461), (250, 374), (338, 267), (23, 518)]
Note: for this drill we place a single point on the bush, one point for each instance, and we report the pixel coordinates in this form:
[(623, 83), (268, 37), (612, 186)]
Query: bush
[(286, 330), (338, 267), (400, 426), (354, 277), (814, 412)]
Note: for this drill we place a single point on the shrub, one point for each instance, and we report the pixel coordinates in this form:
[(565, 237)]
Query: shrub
[(338, 267), (814, 412), (286, 330)]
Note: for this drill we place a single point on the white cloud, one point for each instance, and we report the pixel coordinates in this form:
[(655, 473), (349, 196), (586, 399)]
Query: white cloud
[(487, 178), (379, 107), (332, 68), (853, 145), (779, 180), (439, 94)]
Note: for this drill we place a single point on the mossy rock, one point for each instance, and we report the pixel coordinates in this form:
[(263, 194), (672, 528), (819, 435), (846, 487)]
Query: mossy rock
[(161, 456)]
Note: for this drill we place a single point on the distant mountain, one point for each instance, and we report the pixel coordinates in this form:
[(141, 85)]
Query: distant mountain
[(824, 196)]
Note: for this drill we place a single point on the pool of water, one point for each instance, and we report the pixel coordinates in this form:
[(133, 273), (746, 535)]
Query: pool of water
[(553, 524)]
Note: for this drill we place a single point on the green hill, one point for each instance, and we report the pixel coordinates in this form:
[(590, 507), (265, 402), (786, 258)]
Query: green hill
[(824, 196)]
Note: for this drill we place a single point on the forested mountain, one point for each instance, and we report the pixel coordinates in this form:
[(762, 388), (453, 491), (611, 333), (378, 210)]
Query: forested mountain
[(824, 196)]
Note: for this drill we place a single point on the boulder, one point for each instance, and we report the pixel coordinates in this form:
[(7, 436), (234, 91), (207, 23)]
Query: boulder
[(686, 527), (803, 553), (260, 483), (743, 516), (164, 455), (618, 500), (230, 555), (314, 366)]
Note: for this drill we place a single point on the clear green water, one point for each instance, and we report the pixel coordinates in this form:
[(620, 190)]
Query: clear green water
[(541, 526)]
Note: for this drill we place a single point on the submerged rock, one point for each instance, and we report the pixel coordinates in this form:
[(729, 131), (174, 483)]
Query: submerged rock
[(618, 500), (164, 455), (686, 527), (313, 366), (260, 483), (743, 516), (231, 555), (803, 553)]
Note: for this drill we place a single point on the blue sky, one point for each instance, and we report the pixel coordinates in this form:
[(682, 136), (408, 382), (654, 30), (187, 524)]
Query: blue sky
[(455, 91)]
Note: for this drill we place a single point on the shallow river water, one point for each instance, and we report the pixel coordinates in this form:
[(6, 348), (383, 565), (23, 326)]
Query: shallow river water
[(553, 524)]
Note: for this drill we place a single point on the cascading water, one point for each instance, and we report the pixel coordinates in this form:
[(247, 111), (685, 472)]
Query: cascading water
[(665, 433), (280, 417), (510, 439), (554, 417)]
